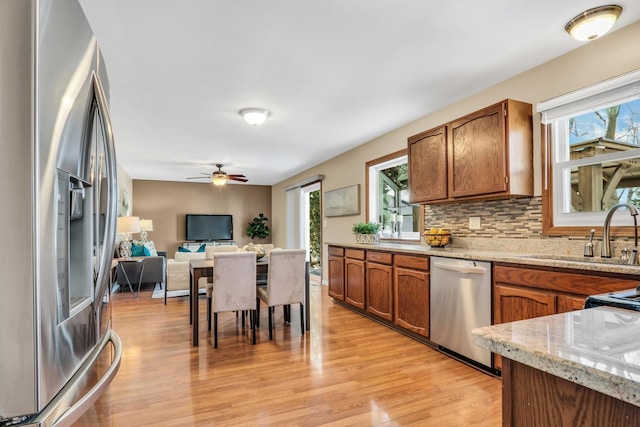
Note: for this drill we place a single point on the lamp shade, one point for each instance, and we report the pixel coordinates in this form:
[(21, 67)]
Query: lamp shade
[(146, 225), (128, 224), (255, 116), (593, 23)]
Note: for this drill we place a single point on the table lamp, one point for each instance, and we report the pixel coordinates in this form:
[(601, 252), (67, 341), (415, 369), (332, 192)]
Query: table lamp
[(126, 226), (145, 225)]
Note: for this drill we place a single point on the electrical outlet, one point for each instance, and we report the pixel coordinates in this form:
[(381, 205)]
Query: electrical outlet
[(474, 223)]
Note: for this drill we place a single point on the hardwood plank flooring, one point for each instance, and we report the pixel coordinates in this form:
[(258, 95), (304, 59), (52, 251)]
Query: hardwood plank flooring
[(347, 371)]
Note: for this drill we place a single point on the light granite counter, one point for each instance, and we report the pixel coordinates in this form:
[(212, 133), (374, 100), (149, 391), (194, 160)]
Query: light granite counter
[(511, 256), (598, 348)]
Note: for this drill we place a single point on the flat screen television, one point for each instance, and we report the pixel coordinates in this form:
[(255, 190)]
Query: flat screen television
[(200, 227)]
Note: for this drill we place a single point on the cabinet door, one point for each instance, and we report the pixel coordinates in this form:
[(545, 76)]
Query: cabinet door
[(568, 303), (380, 290), (354, 282), (428, 166), (514, 303), (477, 149), (412, 300), (336, 277)]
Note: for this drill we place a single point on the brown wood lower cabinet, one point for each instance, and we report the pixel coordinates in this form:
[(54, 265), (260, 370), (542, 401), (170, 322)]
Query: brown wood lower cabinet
[(336, 272), (354, 278), (411, 296), (524, 292), (531, 397), (379, 284)]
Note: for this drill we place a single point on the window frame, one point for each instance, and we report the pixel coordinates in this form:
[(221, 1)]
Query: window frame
[(554, 112), (372, 203)]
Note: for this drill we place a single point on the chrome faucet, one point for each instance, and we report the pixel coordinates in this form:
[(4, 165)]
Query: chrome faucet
[(606, 232)]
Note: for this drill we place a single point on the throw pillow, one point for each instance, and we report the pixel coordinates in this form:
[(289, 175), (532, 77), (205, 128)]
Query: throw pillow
[(202, 248), (139, 250), (150, 248), (181, 249)]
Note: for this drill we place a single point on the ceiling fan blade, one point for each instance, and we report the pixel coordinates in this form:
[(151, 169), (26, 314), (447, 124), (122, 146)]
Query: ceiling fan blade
[(237, 178), (197, 177)]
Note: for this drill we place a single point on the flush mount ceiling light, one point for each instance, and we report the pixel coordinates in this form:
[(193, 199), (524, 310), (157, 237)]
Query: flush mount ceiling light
[(255, 116), (593, 23)]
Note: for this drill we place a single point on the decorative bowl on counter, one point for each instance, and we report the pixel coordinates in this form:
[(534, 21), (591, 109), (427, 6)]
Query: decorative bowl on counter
[(437, 237)]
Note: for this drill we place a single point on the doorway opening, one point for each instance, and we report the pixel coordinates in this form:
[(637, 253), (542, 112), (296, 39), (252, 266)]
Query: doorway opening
[(312, 229)]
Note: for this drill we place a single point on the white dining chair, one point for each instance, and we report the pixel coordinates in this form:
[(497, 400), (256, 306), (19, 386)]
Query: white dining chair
[(285, 284), (233, 288), (207, 282)]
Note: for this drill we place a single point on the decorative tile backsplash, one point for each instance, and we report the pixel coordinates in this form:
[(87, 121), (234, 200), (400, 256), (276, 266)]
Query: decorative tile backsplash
[(511, 218), (507, 225)]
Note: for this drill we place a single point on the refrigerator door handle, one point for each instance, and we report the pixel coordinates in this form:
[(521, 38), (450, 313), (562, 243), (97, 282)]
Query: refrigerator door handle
[(110, 221), (75, 411)]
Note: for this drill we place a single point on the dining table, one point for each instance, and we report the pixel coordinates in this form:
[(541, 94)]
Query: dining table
[(199, 268)]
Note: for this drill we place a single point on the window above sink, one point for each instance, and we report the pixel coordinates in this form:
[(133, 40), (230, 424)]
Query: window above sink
[(591, 153)]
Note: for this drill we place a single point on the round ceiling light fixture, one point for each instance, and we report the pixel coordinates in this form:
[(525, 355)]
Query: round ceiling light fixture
[(593, 23), (255, 116)]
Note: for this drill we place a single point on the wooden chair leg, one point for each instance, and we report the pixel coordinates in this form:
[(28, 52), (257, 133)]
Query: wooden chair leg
[(208, 314), (302, 318), (215, 330), (271, 323), (243, 316)]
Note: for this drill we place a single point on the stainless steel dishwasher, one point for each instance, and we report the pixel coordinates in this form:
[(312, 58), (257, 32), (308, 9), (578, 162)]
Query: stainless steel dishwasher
[(460, 301)]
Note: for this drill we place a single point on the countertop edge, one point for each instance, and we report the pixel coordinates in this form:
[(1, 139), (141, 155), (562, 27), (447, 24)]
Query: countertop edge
[(624, 389), (520, 258)]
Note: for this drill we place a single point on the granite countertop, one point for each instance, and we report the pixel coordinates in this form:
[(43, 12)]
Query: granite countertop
[(597, 348), (515, 257)]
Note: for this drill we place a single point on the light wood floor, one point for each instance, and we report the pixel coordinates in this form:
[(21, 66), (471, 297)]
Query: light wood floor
[(348, 371)]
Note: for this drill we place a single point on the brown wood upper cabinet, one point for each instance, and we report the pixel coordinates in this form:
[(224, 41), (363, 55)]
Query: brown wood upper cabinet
[(483, 155), (428, 166)]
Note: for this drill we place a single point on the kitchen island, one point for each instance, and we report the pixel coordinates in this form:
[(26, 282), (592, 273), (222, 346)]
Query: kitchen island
[(578, 368)]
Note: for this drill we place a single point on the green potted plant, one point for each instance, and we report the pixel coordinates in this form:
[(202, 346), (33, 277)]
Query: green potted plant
[(258, 227), (367, 232)]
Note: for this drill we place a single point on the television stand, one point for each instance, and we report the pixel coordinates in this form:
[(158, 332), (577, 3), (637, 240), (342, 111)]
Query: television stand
[(193, 246)]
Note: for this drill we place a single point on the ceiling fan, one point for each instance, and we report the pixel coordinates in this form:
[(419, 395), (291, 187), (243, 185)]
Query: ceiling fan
[(220, 177)]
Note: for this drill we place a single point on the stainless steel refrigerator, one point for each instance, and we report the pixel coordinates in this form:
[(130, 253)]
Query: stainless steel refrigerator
[(58, 183)]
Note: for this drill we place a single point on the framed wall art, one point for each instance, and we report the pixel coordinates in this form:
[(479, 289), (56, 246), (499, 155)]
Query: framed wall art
[(343, 201)]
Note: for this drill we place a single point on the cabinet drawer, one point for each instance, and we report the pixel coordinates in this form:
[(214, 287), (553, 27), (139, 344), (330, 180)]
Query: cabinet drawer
[(336, 251), (411, 261), (354, 253), (575, 283), (379, 257)]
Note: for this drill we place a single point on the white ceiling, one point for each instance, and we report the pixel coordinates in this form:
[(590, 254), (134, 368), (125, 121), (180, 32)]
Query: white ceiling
[(334, 73)]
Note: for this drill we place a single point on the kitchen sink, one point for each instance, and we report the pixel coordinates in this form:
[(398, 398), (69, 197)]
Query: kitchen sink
[(577, 258)]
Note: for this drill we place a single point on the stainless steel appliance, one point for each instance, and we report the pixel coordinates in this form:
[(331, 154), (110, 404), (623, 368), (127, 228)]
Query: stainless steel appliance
[(629, 299), (58, 185), (460, 301)]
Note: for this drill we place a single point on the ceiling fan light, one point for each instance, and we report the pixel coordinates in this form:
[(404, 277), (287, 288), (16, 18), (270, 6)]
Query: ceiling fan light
[(593, 23), (254, 116), (219, 179)]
